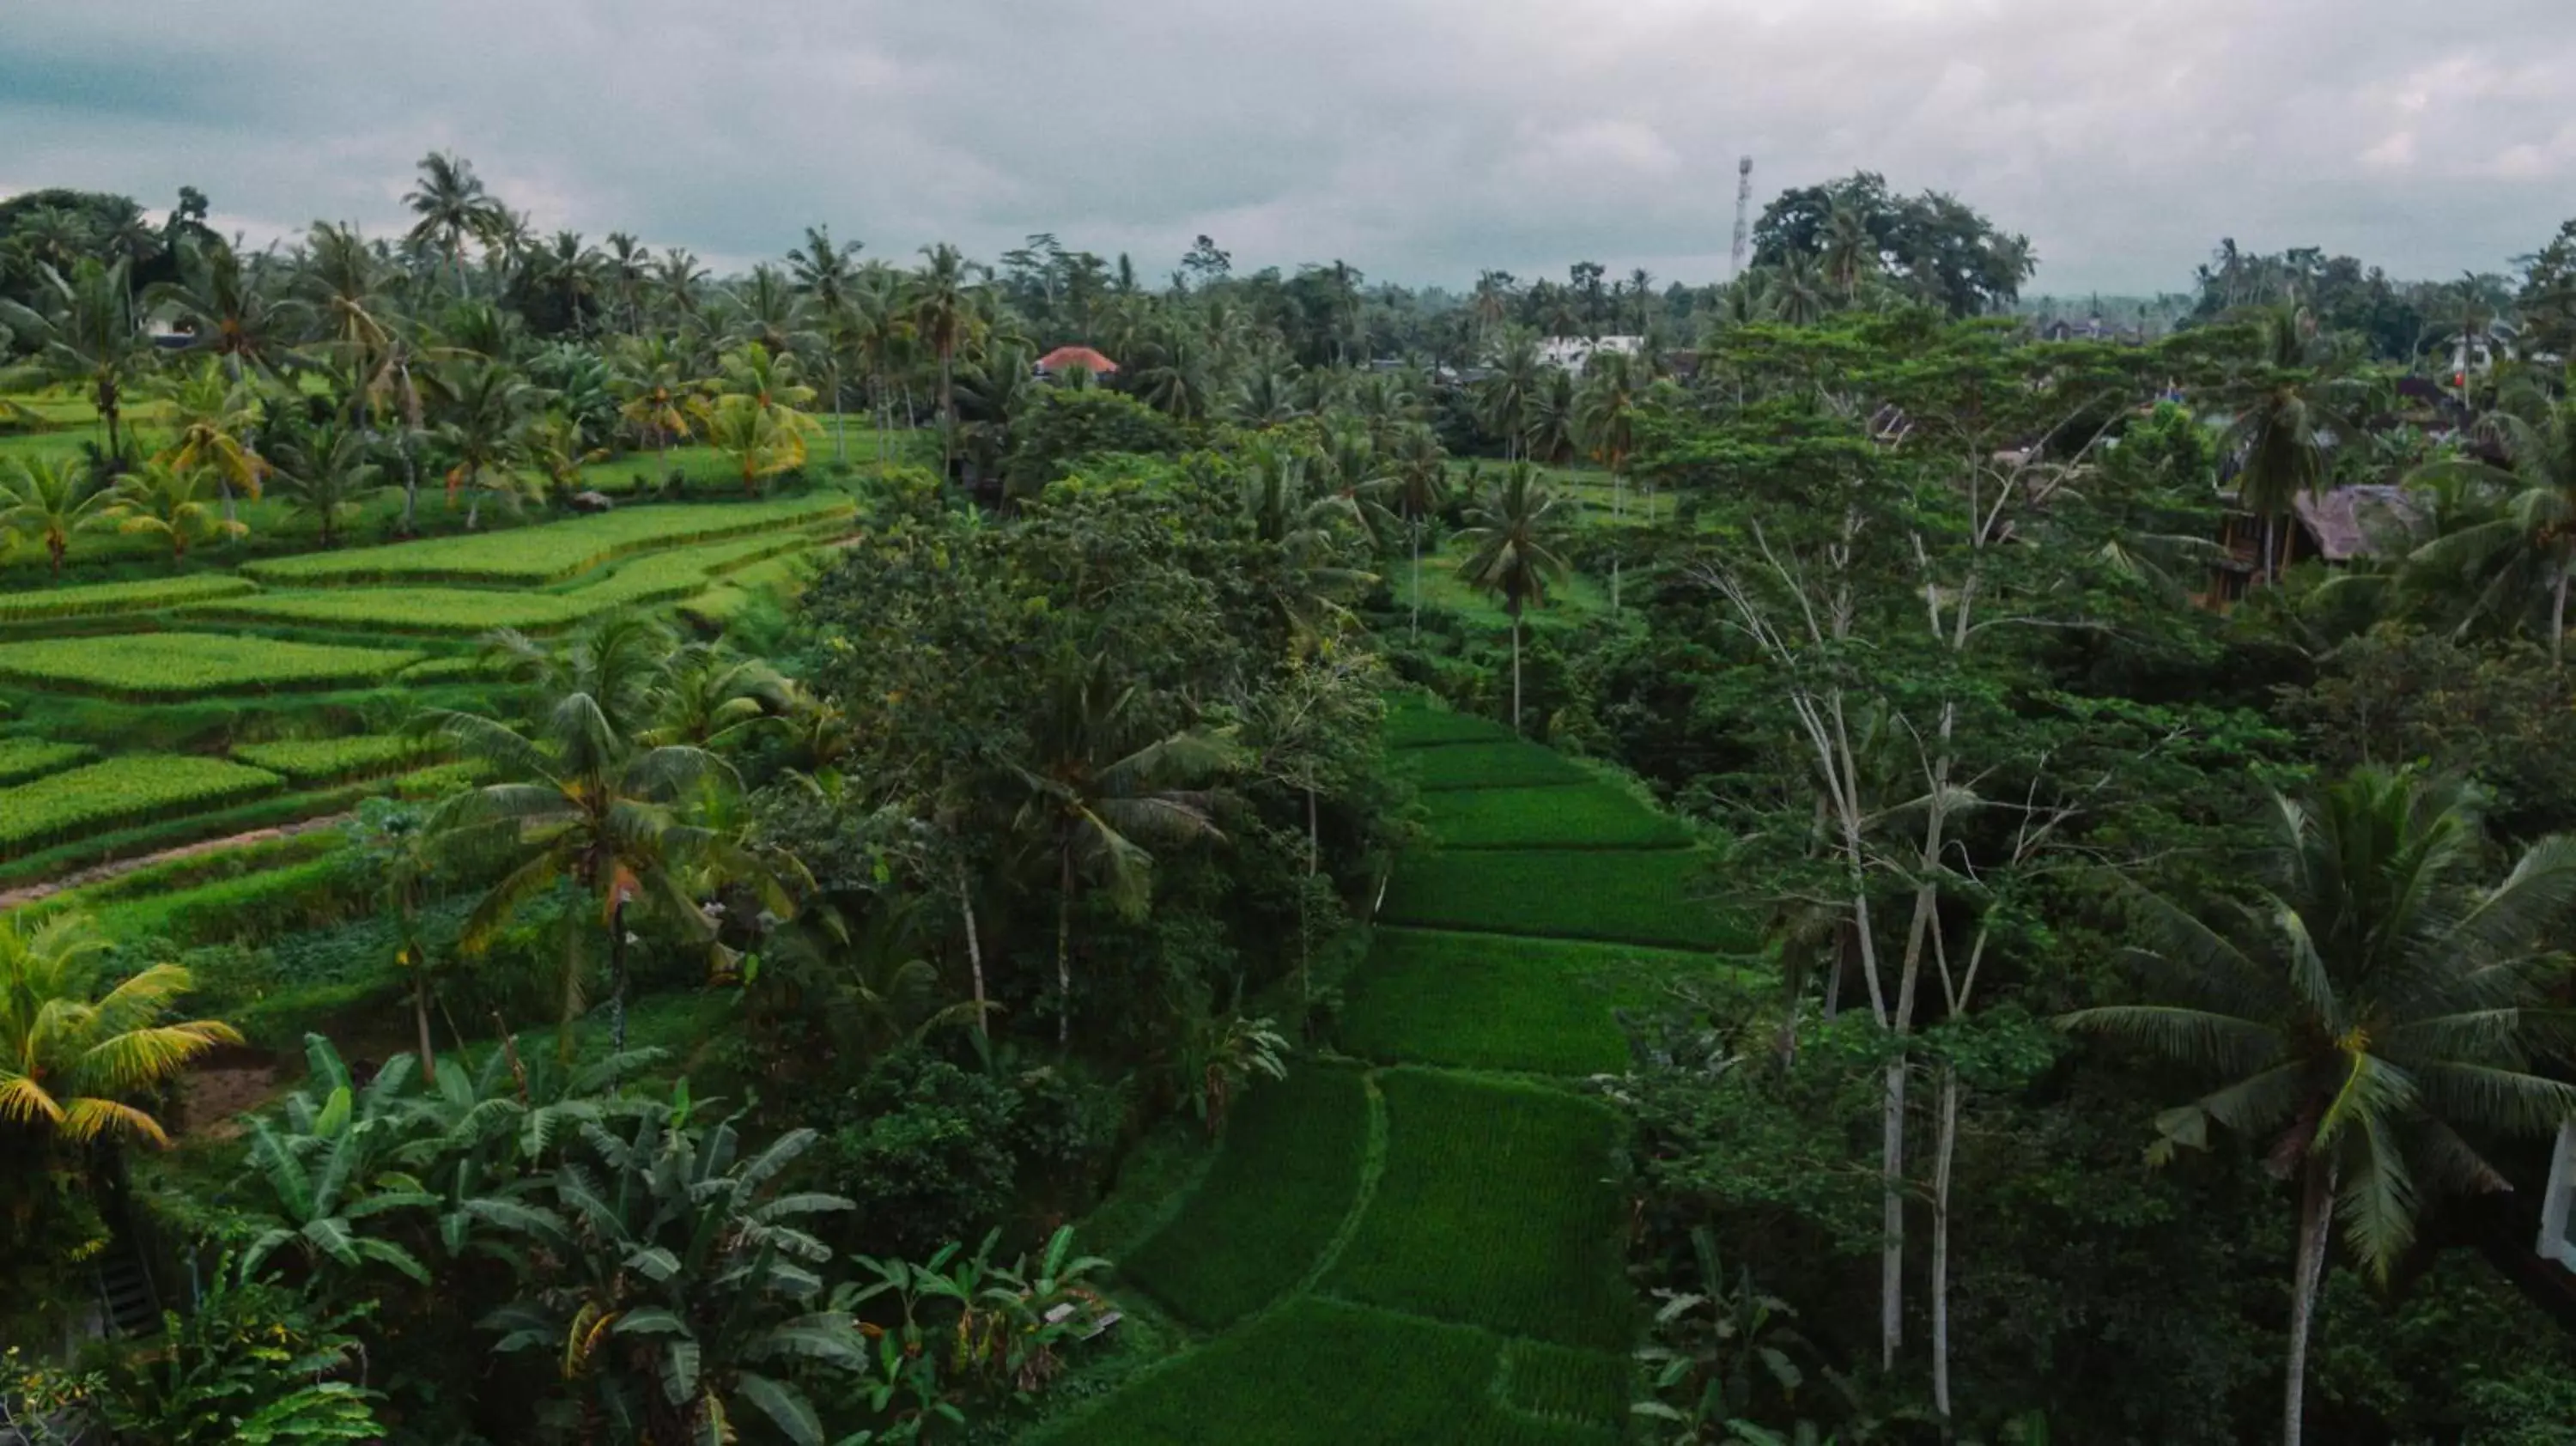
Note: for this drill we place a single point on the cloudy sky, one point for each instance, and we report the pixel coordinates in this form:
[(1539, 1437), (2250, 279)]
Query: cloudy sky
[(1418, 139)]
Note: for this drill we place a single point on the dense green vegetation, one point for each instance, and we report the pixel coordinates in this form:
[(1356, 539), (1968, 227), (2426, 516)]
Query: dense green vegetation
[(1840, 870)]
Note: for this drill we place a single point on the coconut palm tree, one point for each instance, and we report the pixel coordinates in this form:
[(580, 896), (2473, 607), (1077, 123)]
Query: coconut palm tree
[(1795, 291), (161, 499), (74, 1056), (582, 797), (1511, 393), (231, 311), (941, 308), (2290, 410), (1850, 251), (323, 471), (2365, 1012), (86, 332), (49, 499), (1414, 489), (2528, 549), (215, 414), (1554, 429), (1605, 417), (656, 396), (1101, 795), (487, 405), (452, 208), (1511, 553)]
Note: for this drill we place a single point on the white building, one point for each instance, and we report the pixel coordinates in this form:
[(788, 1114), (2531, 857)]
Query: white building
[(2558, 1208), (1569, 353)]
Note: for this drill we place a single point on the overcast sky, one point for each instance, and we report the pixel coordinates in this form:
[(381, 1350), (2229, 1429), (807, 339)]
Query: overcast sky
[(1418, 139)]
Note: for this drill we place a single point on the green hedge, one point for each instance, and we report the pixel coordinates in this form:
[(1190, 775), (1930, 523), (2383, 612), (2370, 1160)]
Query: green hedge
[(105, 598), (310, 761), (25, 758), (102, 796), (163, 667), (1571, 816), (1323, 1372), (1494, 1210), (1507, 764), (1634, 898), (553, 552), (1285, 1179)]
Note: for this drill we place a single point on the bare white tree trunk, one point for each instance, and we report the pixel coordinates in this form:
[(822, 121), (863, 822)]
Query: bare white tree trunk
[(1942, 1154), (974, 950), (2315, 1213)]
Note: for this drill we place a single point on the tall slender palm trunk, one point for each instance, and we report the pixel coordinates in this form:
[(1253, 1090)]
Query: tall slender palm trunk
[(2558, 618), (420, 1020), (1064, 951), (617, 975), (2316, 1200), (974, 951), (1413, 623), (1516, 670)]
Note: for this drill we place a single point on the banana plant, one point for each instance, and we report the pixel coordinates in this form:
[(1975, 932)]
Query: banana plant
[(324, 1168)]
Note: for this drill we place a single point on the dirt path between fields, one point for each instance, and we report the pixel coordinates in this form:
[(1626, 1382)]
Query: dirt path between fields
[(118, 868)]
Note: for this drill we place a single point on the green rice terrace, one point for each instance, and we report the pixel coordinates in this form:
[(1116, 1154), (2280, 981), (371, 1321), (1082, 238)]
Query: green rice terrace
[(884, 848)]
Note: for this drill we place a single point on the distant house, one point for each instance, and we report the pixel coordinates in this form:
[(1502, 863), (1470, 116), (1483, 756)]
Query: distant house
[(2334, 527), (2558, 1207), (2092, 328), (1066, 360), (1572, 353)]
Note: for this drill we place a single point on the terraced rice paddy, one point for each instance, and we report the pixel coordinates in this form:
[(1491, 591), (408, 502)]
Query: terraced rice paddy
[(107, 599), (121, 790), (169, 667), (1472, 1289), (555, 552)]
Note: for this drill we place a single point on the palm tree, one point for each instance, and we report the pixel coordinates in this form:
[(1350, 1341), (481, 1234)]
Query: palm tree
[(677, 277), (403, 856), (89, 334), (656, 399), (171, 502), (2365, 1007), (1850, 251), (762, 442), (323, 471), (452, 206), (1512, 392), (214, 414), (233, 315), (942, 311), (1555, 421), (581, 797), (72, 1057), (2529, 548), (1795, 291), (49, 499), (1100, 792), (1414, 489), (488, 404), (1512, 554), (2288, 416), (1605, 417)]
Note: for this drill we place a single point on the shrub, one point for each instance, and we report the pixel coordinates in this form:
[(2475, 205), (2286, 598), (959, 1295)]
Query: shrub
[(157, 667), (1279, 1191), (120, 790), (1597, 816), (553, 552), (307, 761), (1634, 898), (25, 758), (1494, 1211), (105, 598)]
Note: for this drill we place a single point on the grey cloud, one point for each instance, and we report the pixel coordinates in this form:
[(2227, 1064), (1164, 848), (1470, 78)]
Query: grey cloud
[(1418, 139)]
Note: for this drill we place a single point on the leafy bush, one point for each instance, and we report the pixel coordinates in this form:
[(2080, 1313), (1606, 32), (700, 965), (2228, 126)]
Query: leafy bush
[(533, 556), (1486, 1001), (330, 760), (156, 667), (120, 790), (1597, 816), (1637, 898), (25, 758), (932, 1153), (1286, 1178), (1507, 764), (102, 599), (1494, 1211), (1327, 1370)]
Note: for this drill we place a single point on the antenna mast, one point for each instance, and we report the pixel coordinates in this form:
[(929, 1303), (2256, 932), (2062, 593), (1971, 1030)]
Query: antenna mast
[(1743, 209)]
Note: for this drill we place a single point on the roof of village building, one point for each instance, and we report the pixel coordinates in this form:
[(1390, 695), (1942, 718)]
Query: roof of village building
[(2349, 521), (1068, 358)]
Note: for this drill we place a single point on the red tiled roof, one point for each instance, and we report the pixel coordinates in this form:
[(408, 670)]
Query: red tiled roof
[(1066, 358)]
